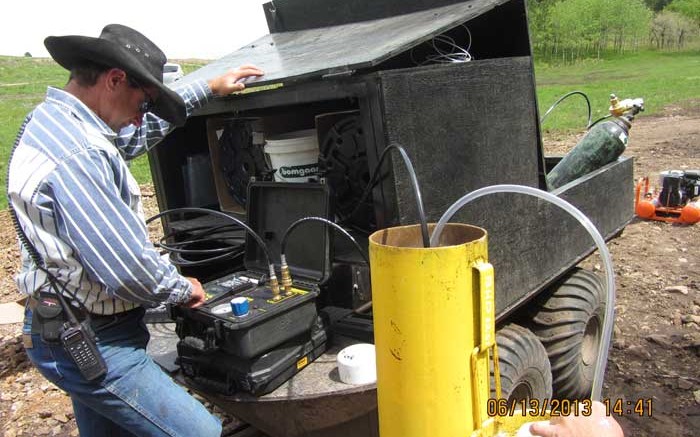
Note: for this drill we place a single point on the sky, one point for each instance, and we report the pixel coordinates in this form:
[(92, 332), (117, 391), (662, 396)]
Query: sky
[(207, 29)]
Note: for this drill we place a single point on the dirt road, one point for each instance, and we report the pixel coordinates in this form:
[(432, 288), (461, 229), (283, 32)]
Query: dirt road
[(657, 333)]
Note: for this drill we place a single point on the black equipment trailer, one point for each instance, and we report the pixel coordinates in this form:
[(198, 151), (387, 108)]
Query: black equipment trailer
[(364, 75)]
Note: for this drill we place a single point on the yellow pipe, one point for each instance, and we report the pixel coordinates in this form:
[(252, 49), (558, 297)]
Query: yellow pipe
[(430, 305)]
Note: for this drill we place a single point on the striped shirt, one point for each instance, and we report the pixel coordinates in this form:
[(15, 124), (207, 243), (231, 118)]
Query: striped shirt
[(79, 205)]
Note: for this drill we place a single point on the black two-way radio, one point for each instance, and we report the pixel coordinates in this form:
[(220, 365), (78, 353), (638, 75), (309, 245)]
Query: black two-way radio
[(79, 343)]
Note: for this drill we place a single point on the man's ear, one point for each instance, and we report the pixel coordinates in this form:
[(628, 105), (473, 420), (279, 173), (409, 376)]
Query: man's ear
[(114, 77)]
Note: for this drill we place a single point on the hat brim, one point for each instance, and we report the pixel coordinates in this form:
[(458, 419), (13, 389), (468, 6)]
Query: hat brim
[(73, 50)]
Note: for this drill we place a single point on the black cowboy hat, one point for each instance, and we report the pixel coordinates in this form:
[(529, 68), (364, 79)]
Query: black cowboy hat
[(124, 48)]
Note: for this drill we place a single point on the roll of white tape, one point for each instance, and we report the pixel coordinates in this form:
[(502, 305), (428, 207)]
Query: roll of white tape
[(357, 364)]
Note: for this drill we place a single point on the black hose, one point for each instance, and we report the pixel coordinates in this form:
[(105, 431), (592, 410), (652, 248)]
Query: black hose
[(190, 232), (178, 247), (257, 238), (200, 237), (179, 261), (201, 234), (414, 184), (564, 97), (283, 242), (599, 120)]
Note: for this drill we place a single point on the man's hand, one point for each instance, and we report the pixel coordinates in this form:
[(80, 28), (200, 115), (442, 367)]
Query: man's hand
[(232, 80), (595, 425), (197, 297)]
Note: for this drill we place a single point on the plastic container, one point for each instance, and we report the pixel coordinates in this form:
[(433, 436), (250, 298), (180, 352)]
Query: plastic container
[(223, 373), (357, 364), (294, 156), (239, 306)]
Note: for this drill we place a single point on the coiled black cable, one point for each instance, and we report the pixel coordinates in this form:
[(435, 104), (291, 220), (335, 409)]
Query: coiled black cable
[(283, 242), (195, 237), (257, 238), (414, 184)]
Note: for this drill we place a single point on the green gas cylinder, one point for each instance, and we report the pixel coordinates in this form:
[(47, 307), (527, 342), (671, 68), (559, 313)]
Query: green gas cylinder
[(603, 144)]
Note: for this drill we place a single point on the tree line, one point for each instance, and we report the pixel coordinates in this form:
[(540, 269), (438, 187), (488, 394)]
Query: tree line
[(568, 30)]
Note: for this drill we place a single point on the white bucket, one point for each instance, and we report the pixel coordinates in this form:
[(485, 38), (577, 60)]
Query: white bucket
[(294, 156)]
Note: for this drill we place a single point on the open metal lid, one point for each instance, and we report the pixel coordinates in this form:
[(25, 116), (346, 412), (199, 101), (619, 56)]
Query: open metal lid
[(289, 57)]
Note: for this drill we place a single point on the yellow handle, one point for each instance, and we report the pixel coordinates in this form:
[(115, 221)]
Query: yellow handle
[(487, 305), (480, 355)]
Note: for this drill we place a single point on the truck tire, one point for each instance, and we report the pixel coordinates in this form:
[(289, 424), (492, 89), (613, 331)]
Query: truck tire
[(568, 320), (523, 364)]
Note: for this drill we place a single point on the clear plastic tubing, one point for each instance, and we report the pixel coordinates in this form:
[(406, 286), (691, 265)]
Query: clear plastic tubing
[(597, 238)]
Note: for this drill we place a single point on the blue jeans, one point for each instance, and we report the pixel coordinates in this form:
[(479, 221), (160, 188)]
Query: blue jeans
[(134, 398)]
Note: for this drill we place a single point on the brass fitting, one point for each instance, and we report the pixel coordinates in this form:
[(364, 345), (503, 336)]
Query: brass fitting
[(286, 276), (274, 284), (615, 108), (620, 107)]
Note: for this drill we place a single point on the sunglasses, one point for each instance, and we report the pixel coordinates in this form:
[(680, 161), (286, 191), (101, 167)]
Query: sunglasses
[(148, 103)]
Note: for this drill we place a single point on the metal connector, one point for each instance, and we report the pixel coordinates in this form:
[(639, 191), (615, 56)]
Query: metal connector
[(619, 107), (286, 276), (274, 284)]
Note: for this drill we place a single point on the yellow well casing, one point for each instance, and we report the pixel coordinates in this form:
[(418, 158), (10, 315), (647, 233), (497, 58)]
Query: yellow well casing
[(433, 329)]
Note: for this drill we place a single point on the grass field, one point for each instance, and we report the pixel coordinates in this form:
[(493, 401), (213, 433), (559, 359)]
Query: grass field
[(660, 78)]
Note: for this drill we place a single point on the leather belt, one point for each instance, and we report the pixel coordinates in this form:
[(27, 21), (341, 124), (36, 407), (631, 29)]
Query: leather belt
[(97, 321)]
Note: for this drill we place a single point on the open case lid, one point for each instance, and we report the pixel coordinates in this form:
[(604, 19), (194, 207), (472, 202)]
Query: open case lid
[(272, 207), (302, 55)]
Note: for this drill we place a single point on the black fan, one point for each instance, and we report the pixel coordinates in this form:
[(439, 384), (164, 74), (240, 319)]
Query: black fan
[(242, 155), (343, 162)]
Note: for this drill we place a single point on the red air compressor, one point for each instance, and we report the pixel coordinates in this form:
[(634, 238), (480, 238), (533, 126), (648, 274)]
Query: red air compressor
[(677, 202)]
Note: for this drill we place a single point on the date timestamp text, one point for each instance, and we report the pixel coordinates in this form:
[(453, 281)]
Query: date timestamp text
[(565, 407)]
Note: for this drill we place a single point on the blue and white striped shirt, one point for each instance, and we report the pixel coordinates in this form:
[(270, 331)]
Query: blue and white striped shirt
[(80, 206)]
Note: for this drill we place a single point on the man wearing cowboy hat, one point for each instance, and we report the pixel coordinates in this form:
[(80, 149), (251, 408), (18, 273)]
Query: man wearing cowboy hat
[(82, 227)]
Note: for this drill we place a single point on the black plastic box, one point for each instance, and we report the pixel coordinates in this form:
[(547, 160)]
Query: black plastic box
[(227, 374), (272, 208)]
